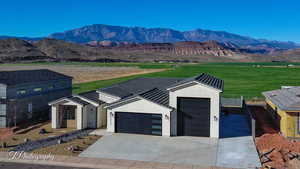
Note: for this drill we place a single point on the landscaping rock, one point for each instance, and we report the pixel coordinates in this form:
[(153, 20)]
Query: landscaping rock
[(4, 145), (43, 131)]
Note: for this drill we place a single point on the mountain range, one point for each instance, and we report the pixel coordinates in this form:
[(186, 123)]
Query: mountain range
[(101, 32), (115, 43)]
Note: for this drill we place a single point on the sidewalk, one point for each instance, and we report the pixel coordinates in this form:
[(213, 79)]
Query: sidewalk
[(100, 163)]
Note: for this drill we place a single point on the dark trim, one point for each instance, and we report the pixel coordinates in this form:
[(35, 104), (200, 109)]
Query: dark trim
[(180, 118), (147, 130)]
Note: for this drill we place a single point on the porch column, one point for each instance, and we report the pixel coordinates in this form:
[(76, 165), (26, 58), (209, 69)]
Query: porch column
[(79, 117), (54, 116)]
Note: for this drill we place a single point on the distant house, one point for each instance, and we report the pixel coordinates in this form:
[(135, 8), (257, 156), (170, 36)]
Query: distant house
[(152, 106), (25, 94), (284, 106)]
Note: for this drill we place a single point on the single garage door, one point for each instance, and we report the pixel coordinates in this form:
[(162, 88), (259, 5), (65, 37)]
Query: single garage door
[(138, 123), (193, 117)]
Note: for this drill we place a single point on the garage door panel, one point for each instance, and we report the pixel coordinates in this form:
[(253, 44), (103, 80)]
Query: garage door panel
[(194, 116), (138, 123)]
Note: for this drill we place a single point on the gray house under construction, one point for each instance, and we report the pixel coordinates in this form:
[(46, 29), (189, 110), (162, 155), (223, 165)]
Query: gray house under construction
[(25, 94)]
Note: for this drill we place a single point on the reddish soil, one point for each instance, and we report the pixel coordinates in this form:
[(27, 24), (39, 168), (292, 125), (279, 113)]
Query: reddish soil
[(275, 150), (264, 123), (6, 132)]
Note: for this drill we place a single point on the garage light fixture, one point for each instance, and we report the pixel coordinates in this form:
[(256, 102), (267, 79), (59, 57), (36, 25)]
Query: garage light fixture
[(111, 114), (166, 117), (215, 118)]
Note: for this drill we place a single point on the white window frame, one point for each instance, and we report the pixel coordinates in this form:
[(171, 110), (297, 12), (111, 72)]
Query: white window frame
[(30, 110)]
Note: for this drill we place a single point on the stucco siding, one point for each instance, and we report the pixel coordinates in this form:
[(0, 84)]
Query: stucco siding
[(101, 116), (141, 106), (54, 117), (80, 118), (108, 98), (90, 115), (201, 91)]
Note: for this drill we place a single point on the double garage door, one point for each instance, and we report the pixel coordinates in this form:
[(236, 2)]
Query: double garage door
[(193, 119), (138, 123)]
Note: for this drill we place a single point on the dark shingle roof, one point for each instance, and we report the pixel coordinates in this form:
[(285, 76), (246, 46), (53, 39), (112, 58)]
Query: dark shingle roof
[(154, 95), (138, 85), (91, 95), (204, 79), (157, 96), (116, 91), (29, 76)]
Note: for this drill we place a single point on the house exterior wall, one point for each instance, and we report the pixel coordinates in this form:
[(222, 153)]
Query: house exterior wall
[(90, 113), (289, 121), (101, 116), (108, 98), (54, 117), (201, 91), (34, 104), (3, 106), (141, 106)]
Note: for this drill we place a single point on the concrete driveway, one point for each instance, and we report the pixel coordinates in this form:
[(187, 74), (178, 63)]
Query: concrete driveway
[(236, 152), (178, 150)]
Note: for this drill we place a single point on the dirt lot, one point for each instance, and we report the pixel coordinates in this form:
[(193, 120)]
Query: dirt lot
[(31, 133), (86, 73), (63, 149), (275, 150)]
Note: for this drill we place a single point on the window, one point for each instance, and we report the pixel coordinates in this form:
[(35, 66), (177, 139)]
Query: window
[(29, 111), (2, 92), (69, 115), (21, 91), (51, 87), (37, 89), (2, 109)]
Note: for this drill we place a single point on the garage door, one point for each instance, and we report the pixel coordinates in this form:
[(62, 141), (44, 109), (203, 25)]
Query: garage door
[(138, 123), (193, 117)]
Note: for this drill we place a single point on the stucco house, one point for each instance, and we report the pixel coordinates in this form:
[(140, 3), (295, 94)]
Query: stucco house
[(153, 106), (25, 94), (284, 106)]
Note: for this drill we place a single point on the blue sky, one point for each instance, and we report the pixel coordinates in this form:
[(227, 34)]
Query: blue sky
[(269, 19)]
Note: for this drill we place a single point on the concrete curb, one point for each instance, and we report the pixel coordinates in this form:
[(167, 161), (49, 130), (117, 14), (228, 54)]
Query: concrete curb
[(100, 163)]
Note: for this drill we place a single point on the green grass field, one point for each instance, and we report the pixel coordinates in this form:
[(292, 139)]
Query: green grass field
[(241, 79)]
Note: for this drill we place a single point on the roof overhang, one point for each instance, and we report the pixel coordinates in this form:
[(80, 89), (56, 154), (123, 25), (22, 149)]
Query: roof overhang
[(110, 95), (88, 100), (191, 83), (131, 100), (62, 101)]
